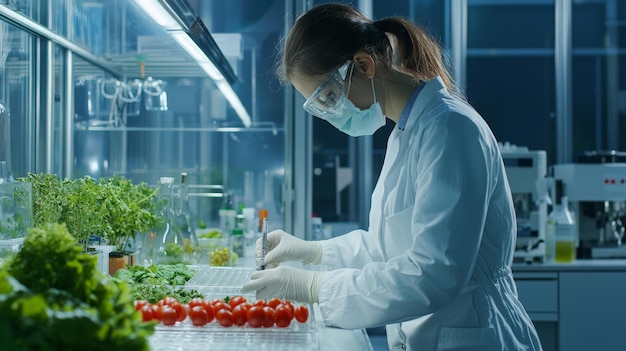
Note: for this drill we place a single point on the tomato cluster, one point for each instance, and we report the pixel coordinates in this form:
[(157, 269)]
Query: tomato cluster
[(226, 312)]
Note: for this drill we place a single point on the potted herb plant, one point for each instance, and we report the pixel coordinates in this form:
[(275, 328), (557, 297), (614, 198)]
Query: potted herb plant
[(130, 209)]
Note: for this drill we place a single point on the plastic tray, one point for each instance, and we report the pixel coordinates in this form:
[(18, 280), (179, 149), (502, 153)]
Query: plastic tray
[(220, 276), (219, 282)]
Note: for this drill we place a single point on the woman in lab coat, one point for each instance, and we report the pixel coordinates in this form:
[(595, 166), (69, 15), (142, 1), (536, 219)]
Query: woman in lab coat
[(435, 264)]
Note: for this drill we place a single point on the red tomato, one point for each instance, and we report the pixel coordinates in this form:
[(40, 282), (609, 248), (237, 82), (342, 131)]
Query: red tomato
[(301, 313), (287, 308), (221, 305), (168, 315), (140, 303), (196, 301), (260, 303), (270, 318), (289, 304), (216, 300), (181, 311), (225, 317), (256, 316), (236, 300), (283, 317), (199, 316), (146, 313), (168, 300), (209, 310), (240, 313), (156, 312), (273, 302)]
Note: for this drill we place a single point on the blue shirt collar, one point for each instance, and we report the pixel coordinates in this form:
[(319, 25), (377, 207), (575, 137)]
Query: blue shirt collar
[(406, 111)]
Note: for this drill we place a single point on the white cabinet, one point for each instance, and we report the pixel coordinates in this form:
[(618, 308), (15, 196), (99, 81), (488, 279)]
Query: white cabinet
[(592, 311)]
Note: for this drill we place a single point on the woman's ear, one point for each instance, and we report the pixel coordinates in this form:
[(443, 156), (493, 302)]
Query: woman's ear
[(364, 63)]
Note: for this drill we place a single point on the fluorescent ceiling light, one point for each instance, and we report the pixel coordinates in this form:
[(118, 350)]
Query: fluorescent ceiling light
[(156, 10), (234, 101), (161, 15)]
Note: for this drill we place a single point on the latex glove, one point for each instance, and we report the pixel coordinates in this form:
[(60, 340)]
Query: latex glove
[(283, 247), (285, 283)]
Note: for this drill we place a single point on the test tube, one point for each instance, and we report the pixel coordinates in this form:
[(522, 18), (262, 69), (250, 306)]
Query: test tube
[(264, 242)]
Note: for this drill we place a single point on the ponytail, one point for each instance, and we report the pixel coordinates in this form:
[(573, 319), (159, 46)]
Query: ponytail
[(416, 53)]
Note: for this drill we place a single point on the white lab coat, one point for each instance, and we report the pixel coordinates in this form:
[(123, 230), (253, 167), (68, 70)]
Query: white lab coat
[(435, 264)]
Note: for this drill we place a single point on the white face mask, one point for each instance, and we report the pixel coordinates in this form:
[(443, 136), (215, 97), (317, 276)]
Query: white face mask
[(330, 102)]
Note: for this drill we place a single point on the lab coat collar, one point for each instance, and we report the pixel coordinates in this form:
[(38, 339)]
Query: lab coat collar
[(429, 90)]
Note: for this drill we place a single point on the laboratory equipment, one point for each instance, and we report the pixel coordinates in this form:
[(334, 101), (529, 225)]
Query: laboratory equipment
[(168, 246), (184, 223), (596, 187), (264, 242), (526, 172)]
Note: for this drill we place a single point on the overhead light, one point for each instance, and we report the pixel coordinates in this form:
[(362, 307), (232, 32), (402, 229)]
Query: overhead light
[(156, 10), (162, 15), (234, 101)]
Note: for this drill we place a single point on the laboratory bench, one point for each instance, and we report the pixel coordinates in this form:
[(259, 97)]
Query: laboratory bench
[(575, 306)]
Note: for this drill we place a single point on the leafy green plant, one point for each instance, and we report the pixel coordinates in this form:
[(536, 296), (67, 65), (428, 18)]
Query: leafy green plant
[(50, 287), (49, 196), (131, 209), (114, 208)]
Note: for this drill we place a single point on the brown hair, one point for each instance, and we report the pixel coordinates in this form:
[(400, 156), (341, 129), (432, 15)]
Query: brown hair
[(328, 35)]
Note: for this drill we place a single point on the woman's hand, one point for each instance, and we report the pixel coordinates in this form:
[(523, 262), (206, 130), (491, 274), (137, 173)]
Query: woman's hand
[(284, 247)]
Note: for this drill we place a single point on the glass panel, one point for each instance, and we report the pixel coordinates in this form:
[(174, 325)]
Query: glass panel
[(16, 77), (510, 72), (165, 116), (598, 83)]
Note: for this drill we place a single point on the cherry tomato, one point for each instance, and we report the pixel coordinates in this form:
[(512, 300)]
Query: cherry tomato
[(168, 315), (209, 310), (289, 305), (301, 313), (181, 311), (274, 302), (240, 313), (270, 318), (146, 313), (260, 303), (236, 300), (216, 300), (225, 317), (221, 305), (256, 316), (283, 317), (196, 301), (287, 308), (156, 312), (140, 303), (199, 315), (168, 300)]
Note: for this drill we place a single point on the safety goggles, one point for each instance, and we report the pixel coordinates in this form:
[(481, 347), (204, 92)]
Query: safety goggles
[(328, 99)]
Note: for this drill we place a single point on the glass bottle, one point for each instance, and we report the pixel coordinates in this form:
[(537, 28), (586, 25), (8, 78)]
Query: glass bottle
[(169, 247), (184, 224), (560, 229)]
